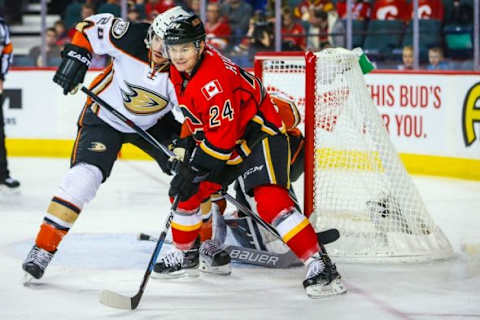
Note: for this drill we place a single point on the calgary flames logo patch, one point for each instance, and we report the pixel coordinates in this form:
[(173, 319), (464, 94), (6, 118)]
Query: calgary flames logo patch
[(142, 101), (471, 114)]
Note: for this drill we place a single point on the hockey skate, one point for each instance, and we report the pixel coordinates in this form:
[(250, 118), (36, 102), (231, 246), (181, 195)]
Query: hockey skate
[(178, 264), (214, 259), (322, 279), (36, 262), (9, 183)]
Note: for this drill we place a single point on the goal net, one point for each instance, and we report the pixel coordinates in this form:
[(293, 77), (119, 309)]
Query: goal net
[(354, 179)]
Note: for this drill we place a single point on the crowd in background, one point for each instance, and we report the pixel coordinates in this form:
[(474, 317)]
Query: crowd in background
[(240, 28)]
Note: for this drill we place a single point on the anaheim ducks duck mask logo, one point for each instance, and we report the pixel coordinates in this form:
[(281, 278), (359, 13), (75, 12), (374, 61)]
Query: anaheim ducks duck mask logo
[(142, 101)]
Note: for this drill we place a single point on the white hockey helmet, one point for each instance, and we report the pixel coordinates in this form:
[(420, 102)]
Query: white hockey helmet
[(161, 22)]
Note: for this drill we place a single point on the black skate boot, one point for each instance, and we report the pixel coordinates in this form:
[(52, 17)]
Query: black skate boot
[(36, 262), (178, 263), (322, 279), (10, 183), (214, 259)]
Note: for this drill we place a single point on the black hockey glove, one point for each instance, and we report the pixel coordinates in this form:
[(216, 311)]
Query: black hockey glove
[(186, 181), (71, 72)]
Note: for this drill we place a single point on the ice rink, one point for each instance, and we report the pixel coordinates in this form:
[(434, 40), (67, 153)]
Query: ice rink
[(101, 252)]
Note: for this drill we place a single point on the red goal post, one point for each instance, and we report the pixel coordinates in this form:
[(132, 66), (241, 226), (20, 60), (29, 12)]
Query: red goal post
[(306, 109)]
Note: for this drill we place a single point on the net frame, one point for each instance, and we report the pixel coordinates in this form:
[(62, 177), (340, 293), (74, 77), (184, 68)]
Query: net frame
[(433, 245)]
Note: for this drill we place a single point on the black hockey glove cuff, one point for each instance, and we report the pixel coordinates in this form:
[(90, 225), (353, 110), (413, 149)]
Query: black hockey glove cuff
[(71, 72), (186, 182), (204, 161)]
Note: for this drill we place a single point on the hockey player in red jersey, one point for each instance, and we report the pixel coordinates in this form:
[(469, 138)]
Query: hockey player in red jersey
[(237, 132), (145, 96), (176, 263)]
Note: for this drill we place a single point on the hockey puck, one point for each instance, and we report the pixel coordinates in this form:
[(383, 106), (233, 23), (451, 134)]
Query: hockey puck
[(143, 236)]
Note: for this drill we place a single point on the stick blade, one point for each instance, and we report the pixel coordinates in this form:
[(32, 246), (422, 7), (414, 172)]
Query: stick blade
[(328, 236), (115, 300)]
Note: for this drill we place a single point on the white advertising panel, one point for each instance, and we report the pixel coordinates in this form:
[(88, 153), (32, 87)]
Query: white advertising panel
[(35, 107), (429, 114)]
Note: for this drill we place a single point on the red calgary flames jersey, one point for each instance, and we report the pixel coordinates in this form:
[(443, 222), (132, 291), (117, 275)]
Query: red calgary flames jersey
[(218, 101)]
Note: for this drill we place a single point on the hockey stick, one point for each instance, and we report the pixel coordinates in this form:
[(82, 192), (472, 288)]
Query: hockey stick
[(108, 297), (324, 237), (116, 300)]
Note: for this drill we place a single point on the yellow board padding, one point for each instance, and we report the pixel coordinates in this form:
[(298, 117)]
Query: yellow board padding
[(329, 158), (415, 164), (57, 148), (131, 152), (54, 148), (442, 166)]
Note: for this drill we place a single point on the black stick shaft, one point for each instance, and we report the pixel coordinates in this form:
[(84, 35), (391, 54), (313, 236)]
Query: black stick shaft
[(158, 247)]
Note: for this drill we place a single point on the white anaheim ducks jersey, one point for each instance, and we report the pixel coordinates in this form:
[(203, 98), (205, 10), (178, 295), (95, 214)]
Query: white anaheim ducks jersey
[(129, 84)]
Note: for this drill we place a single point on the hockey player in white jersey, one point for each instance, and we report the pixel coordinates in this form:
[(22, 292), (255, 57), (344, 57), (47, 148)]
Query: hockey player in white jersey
[(138, 86)]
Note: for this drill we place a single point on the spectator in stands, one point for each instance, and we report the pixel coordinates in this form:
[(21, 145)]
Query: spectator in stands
[(435, 57), (53, 50), (194, 5), (259, 37), (390, 10), (238, 14), (72, 14), (217, 29), (293, 34), (87, 11), (133, 15), (306, 8), (111, 6), (361, 9), (428, 9), (139, 6), (407, 58), (326, 30), (155, 7), (461, 14), (260, 33), (62, 34)]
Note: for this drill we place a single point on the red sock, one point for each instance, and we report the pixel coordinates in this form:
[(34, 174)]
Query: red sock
[(275, 207)]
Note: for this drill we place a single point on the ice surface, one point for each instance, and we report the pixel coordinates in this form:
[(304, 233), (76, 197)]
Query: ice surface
[(101, 252)]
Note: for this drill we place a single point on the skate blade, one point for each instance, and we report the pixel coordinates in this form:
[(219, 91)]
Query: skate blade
[(27, 279), (190, 273), (336, 287), (224, 270), (6, 191)]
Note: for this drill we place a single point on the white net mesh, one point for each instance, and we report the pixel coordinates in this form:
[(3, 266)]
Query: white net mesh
[(360, 185)]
